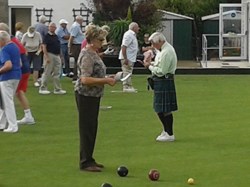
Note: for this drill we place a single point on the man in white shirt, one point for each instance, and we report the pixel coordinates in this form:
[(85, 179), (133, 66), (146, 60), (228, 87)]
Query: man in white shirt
[(128, 54)]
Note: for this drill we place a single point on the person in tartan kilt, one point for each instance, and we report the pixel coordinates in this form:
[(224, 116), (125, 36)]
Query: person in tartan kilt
[(163, 69)]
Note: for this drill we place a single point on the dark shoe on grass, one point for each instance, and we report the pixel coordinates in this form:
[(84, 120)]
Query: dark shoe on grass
[(99, 165), (92, 169)]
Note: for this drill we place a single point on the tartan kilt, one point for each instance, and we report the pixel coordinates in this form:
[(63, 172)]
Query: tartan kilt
[(165, 95)]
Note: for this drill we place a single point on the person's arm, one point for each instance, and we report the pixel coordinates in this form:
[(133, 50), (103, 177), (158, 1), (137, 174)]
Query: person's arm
[(144, 49), (86, 70), (6, 67), (92, 81), (163, 65), (71, 38), (124, 54), (45, 52), (66, 37)]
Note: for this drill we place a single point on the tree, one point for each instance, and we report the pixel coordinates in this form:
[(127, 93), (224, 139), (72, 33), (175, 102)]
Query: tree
[(195, 9), (109, 10), (119, 13)]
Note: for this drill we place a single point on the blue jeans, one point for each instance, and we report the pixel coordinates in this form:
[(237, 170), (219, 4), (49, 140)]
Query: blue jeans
[(65, 55)]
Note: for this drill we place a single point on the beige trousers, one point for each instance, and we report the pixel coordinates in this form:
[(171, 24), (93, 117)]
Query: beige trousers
[(126, 69), (52, 69)]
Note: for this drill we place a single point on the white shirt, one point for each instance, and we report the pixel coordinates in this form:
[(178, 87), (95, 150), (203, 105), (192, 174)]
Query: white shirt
[(130, 41), (77, 33)]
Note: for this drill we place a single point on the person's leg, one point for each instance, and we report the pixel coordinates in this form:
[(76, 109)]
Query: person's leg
[(3, 120), (88, 124), (76, 49), (56, 61), (65, 54), (126, 69), (168, 123), (48, 68), (28, 117), (9, 88), (36, 68)]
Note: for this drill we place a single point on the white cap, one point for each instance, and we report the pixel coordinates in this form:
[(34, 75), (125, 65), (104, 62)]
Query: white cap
[(63, 21), (31, 31)]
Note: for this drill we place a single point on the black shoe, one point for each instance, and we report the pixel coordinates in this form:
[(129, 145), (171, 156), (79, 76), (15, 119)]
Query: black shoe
[(99, 165), (92, 169)]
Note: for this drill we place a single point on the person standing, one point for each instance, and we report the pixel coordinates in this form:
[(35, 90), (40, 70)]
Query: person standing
[(19, 30), (75, 41), (163, 70), (32, 42), (52, 62), (10, 74), (63, 35), (41, 27), (128, 54), (89, 89), (23, 83)]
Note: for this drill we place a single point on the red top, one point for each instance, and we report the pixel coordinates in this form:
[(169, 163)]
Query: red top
[(19, 45)]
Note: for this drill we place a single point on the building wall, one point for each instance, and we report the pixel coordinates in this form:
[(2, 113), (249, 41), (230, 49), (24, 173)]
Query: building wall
[(61, 9), (4, 14)]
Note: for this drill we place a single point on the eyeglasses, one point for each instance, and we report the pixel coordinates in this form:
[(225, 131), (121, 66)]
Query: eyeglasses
[(101, 39)]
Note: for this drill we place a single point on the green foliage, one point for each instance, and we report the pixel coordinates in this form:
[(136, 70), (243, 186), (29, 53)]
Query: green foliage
[(148, 18), (111, 12), (129, 14), (117, 29)]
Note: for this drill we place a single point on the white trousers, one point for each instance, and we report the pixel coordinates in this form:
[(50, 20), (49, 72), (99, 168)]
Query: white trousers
[(7, 106)]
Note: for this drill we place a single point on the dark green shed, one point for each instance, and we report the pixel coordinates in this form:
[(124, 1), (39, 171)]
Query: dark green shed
[(210, 25), (178, 31)]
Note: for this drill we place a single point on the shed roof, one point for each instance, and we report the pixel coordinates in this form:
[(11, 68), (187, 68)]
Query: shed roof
[(217, 15), (171, 15)]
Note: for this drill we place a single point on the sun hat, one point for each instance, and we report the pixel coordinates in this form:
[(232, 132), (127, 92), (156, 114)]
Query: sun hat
[(63, 21)]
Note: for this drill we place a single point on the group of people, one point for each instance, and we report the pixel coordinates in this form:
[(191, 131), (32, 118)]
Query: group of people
[(13, 81), (89, 75), (91, 80), (44, 49)]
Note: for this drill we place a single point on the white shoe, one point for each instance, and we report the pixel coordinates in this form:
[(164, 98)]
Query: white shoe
[(11, 130), (164, 137), (44, 92), (25, 120), (36, 84), (130, 90), (59, 92)]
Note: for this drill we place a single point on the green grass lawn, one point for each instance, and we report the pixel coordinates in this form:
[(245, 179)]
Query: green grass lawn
[(211, 128)]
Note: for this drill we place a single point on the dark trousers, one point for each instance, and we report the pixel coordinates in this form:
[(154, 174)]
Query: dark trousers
[(65, 56), (76, 49), (88, 110)]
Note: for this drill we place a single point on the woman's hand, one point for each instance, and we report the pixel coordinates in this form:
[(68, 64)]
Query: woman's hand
[(110, 81)]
